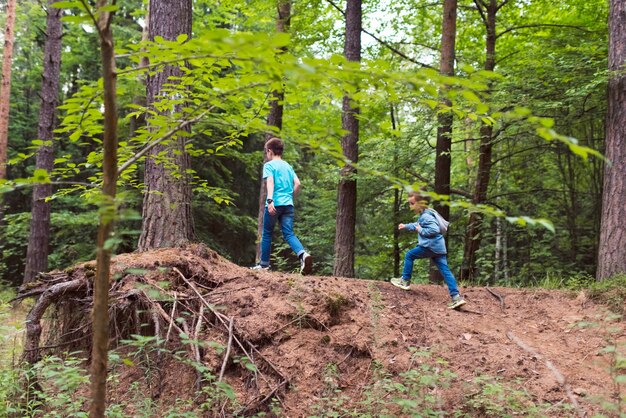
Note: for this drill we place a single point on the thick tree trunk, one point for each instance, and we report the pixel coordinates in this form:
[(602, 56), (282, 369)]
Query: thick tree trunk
[(5, 90), (347, 189), (444, 130), (472, 235), (275, 117), (612, 249), (140, 98), (99, 353), (37, 253), (167, 216)]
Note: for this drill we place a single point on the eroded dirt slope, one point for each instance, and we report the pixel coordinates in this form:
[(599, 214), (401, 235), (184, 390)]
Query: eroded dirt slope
[(324, 337)]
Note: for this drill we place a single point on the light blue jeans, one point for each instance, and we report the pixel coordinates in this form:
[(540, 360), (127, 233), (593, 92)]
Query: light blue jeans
[(441, 261), (284, 215)]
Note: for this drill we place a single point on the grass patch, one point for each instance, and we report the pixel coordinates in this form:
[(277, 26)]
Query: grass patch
[(610, 292)]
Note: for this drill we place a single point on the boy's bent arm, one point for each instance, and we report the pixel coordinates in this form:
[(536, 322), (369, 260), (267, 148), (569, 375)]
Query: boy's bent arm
[(430, 228), (296, 185)]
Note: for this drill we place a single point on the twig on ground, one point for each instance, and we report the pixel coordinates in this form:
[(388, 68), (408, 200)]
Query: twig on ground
[(228, 348), (557, 374), (500, 298), (196, 344), (224, 319), (224, 291), (171, 322), (346, 357), (254, 403)]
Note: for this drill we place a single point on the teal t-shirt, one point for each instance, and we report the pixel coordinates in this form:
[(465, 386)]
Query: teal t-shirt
[(284, 176)]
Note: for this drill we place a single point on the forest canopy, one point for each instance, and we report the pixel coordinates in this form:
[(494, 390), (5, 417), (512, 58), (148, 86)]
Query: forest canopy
[(539, 92)]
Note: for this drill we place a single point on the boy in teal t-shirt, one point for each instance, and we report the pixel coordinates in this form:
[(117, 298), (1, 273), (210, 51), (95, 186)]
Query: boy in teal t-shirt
[(282, 185)]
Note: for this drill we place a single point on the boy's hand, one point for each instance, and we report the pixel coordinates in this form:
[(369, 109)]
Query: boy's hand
[(271, 209), (401, 226)]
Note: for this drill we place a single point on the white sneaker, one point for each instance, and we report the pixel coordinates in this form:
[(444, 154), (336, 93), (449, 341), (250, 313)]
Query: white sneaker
[(260, 267), (401, 283), (306, 263)]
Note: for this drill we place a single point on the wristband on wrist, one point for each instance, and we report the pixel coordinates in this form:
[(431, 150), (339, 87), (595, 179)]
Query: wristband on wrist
[(270, 201)]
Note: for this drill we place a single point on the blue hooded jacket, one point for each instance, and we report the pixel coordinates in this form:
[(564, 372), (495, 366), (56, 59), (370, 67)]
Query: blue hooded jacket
[(429, 237)]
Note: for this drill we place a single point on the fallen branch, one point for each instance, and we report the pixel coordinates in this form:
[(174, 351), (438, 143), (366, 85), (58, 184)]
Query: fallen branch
[(227, 355), (557, 374), (224, 320), (254, 404), (500, 298)]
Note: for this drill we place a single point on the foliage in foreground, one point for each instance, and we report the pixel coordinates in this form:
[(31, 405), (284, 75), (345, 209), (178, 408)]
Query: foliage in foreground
[(416, 393)]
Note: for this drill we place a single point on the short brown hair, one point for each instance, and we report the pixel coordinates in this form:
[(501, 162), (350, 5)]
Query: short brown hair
[(276, 145), (419, 195)]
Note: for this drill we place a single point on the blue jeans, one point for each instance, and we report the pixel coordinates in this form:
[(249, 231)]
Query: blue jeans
[(440, 260), (284, 215)]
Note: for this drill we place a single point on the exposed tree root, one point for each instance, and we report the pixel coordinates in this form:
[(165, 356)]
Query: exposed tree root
[(162, 295)]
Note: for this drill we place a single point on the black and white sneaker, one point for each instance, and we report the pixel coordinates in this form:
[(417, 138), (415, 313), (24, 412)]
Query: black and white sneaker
[(306, 263)]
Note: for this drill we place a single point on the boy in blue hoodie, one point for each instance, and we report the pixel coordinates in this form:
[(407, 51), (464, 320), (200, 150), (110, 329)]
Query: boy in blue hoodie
[(431, 244)]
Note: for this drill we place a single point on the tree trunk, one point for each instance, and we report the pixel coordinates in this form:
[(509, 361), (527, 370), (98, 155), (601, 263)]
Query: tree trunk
[(99, 353), (612, 249), (275, 117), (347, 190), (167, 216), (5, 92), (396, 203), (37, 253), (472, 235), (444, 130), (140, 98)]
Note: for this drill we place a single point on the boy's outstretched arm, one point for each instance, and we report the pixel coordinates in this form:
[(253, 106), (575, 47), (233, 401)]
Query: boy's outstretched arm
[(414, 226)]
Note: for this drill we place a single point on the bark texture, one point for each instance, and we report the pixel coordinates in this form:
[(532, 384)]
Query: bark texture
[(443, 158), (347, 189), (612, 248), (167, 216), (5, 87), (472, 236), (444, 130), (37, 253)]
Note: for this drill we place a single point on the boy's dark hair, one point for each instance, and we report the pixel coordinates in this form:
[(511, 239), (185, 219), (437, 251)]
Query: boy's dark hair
[(276, 145), (420, 195)]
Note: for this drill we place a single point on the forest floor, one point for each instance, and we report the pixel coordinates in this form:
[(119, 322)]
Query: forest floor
[(327, 346)]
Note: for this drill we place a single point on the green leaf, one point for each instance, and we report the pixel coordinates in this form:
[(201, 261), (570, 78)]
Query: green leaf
[(128, 362), (108, 8), (67, 4), (41, 176)]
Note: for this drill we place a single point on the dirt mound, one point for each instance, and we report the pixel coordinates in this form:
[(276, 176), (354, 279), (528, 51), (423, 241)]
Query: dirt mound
[(320, 344)]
